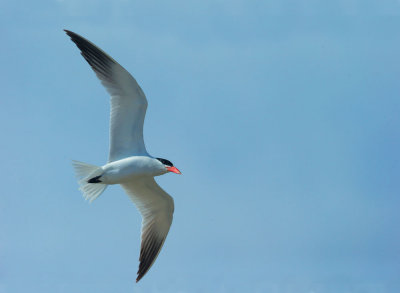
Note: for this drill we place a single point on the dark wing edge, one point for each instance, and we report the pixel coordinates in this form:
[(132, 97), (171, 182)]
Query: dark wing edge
[(100, 61), (156, 208), (149, 250)]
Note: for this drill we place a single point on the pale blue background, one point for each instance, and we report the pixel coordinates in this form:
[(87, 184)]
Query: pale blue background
[(284, 117)]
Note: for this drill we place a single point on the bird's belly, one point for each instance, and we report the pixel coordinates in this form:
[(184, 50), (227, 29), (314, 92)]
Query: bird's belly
[(126, 169), (118, 176)]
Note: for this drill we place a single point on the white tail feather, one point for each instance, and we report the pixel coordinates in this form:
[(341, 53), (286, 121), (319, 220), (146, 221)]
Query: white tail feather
[(84, 172)]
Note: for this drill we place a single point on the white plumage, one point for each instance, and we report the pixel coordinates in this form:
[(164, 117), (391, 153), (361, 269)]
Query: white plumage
[(129, 164)]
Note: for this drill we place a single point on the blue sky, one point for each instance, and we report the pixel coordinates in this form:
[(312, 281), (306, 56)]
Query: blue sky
[(282, 115)]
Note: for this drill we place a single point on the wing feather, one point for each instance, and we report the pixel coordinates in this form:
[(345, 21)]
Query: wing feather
[(128, 102), (156, 208)]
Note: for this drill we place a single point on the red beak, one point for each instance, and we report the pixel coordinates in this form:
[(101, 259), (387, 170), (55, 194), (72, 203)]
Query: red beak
[(173, 170)]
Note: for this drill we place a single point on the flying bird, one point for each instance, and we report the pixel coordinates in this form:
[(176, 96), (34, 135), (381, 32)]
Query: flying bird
[(129, 164)]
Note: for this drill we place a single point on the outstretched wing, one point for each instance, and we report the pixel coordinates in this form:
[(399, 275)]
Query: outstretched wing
[(156, 208), (128, 102)]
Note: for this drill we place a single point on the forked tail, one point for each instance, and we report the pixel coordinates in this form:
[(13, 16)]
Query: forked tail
[(89, 180)]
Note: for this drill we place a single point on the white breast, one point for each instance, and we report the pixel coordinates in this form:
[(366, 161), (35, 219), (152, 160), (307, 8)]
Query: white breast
[(126, 169)]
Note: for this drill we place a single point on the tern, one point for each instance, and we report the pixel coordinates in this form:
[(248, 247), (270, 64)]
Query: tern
[(129, 164)]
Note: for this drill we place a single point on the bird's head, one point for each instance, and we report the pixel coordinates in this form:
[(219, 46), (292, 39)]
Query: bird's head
[(169, 166)]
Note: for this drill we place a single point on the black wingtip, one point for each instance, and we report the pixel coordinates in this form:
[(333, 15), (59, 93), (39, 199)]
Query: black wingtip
[(68, 32), (95, 179), (72, 35), (139, 277)]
